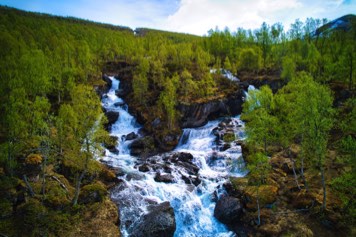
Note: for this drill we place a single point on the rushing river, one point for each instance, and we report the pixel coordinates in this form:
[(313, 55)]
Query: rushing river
[(193, 204)]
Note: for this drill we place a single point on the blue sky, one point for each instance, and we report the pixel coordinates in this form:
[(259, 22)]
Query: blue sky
[(190, 16)]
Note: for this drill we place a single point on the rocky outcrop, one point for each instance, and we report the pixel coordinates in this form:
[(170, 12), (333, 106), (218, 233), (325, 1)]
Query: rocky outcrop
[(103, 87), (100, 221), (159, 222), (228, 210), (111, 144), (112, 117), (163, 166), (198, 114), (143, 147)]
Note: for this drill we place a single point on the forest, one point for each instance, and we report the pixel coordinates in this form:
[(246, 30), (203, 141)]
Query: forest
[(52, 126)]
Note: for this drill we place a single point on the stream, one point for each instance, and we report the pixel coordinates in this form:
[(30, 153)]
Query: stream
[(190, 178)]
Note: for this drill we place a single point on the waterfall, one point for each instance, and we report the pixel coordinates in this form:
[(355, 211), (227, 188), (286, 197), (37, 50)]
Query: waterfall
[(194, 202)]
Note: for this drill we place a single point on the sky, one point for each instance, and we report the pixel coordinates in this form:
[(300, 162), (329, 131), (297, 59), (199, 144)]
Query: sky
[(190, 16)]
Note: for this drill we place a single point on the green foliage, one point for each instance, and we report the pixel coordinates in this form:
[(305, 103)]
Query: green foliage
[(288, 69), (259, 168), (249, 59), (262, 125), (168, 99)]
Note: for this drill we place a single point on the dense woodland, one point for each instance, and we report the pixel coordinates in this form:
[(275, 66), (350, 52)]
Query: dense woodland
[(51, 124)]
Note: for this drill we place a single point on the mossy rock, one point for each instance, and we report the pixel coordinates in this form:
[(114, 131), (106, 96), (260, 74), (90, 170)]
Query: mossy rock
[(92, 193), (229, 137), (107, 175), (56, 196), (267, 194), (239, 184), (35, 219), (33, 159)]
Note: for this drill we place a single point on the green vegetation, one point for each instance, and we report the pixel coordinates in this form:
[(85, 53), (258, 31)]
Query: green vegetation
[(51, 124)]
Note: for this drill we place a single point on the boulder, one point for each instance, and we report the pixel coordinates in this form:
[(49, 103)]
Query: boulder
[(131, 136), (267, 194), (164, 178), (144, 168), (118, 104), (159, 222), (112, 117), (119, 93), (103, 88), (228, 210), (143, 147), (111, 145)]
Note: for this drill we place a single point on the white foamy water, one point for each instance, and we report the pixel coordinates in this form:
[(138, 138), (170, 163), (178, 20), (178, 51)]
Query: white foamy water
[(193, 205)]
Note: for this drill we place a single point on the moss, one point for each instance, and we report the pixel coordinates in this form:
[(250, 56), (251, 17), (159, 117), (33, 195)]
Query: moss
[(33, 159), (92, 193), (34, 219), (56, 196), (229, 137)]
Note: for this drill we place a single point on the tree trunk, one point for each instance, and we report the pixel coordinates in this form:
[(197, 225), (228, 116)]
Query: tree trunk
[(77, 188), (302, 174), (258, 207), (80, 178), (28, 185), (324, 187), (295, 174)]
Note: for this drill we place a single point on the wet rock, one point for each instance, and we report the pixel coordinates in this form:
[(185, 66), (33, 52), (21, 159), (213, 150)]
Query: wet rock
[(112, 117), (228, 210), (164, 178), (156, 122), (159, 222), (191, 179), (182, 156), (119, 93), (111, 145), (131, 136), (144, 168), (101, 89), (142, 147), (119, 104)]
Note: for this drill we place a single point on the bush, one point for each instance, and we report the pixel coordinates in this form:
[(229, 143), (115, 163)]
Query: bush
[(91, 193), (33, 159)]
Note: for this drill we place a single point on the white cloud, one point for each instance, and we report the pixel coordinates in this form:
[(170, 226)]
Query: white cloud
[(191, 16), (198, 16)]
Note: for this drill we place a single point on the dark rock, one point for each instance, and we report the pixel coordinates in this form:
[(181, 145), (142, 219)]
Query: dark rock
[(165, 178), (111, 145), (131, 136), (159, 222), (112, 117), (118, 104), (114, 150), (119, 93), (144, 168), (182, 156), (143, 147), (102, 89), (197, 114), (228, 210), (156, 123), (107, 80)]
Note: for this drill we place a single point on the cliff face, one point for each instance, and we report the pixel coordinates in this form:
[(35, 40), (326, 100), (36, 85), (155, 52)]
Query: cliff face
[(198, 114), (193, 114)]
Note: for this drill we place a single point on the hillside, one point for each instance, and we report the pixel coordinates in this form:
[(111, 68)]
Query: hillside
[(54, 77)]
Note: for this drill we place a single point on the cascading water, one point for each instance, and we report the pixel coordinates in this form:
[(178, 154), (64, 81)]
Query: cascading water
[(192, 195)]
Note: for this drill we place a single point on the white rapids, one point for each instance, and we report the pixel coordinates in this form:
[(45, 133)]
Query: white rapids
[(193, 205)]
